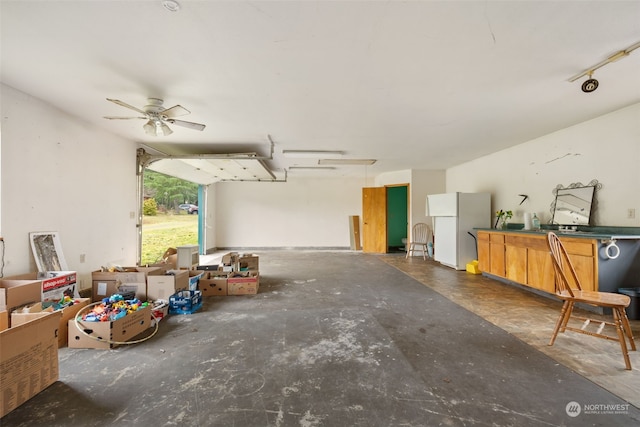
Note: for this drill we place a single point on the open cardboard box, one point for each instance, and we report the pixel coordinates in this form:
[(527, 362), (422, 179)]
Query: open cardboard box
[(28, 360), (35, 311)]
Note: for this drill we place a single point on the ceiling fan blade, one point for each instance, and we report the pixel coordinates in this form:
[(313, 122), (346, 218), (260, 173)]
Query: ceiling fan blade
[(122, 118), (124, 104), (190, 125), (175, 111)]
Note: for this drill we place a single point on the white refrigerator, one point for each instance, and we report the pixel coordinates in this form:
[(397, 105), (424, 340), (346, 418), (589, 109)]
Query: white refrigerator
[(454, 215)]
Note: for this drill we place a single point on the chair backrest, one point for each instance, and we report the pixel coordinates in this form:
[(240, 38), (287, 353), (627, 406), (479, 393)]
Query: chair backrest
[(565, 273), (421, 233)]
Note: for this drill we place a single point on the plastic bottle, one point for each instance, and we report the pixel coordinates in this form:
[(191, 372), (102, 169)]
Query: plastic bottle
[(535, 222)]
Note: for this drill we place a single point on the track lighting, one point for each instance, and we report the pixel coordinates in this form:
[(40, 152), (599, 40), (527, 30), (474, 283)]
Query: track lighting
[(592, 84)]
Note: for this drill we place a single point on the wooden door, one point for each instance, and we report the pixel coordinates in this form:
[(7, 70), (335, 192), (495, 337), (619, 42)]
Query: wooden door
[(374, 219)]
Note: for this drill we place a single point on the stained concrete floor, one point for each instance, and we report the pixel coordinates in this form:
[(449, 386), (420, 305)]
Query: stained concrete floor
[(337, 338)]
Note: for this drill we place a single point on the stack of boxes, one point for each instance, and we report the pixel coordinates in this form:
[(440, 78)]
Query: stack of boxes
[(31, 331), (238, 274), (29, 340)]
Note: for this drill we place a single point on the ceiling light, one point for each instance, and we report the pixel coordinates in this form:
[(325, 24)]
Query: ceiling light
[(311, 154), (157, 128), (171, 5), (311, 168), (347, 162), (590, 85)]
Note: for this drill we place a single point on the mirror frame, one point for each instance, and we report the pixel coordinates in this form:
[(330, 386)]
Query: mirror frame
[(593, 183)]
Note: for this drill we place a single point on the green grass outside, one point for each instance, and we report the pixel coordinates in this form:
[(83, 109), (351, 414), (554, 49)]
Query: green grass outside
[(164, 231)]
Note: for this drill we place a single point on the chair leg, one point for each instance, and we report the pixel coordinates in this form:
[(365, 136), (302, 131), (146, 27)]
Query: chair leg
[(560, 322), (627, 329), (567, 316), (617, 317), (424, 252)]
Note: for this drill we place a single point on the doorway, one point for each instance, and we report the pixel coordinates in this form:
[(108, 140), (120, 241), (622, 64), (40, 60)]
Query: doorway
[(384, 218), (397, 218)]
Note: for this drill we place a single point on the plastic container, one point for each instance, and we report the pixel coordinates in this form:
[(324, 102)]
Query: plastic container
[(535, 222), (185, 302), (633, 311)]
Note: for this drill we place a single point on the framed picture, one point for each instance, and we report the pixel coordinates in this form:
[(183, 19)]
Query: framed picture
[(47, 251)]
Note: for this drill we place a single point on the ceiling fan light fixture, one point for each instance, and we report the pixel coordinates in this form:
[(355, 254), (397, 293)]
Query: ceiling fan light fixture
[(150, 128), (157, 128), (164, 129)]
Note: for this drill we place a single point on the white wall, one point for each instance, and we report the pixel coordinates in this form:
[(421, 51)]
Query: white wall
[(61, 174), (424, 182), (421, 183), (606, 148), (302, 212)]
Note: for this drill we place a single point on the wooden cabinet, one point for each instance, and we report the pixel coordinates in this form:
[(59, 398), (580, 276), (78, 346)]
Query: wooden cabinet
[(491, 253), (524, 258)]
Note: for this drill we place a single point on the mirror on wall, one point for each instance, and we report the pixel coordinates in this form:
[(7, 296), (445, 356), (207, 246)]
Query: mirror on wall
[(574, 204)]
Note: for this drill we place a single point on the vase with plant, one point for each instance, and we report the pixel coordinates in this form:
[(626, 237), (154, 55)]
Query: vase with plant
[(502, 218)]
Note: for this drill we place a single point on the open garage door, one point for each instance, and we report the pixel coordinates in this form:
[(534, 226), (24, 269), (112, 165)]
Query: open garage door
[(202, 169)]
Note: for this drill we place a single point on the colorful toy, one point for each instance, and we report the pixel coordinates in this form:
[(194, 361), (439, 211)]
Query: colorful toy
[(113, 308)]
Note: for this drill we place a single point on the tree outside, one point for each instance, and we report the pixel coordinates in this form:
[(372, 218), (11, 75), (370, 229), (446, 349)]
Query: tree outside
[(169, 192), (162, 226)]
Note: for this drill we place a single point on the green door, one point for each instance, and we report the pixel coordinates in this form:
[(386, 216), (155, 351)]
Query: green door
[(397, 217)]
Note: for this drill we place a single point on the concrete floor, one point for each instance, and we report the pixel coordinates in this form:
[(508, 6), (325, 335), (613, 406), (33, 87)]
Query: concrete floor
[(341, 338)]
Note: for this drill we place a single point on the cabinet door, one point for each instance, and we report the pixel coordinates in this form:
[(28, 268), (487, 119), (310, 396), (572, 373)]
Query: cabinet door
[(586, 271), (516, 263), (496, 251), (484, 253), (540, 273)]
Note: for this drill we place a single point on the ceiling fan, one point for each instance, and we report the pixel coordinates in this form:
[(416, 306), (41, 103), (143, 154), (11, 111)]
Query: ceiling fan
[(157, 116)]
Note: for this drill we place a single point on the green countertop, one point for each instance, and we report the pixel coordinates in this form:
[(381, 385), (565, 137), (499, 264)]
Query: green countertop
[(599, 232)]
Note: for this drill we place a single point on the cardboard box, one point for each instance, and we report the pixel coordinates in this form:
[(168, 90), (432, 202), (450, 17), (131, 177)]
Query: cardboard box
[(249, 262), (28, 360), (4, 320), (55, 284), (162, 287), (132, 279), (16, 293), (106, 335), (215, 285), (194, 278), (159, 311), (36, 311), (247, 284), (230, 258)]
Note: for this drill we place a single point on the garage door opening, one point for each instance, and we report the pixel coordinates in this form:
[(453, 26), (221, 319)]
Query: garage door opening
[(170, 215)]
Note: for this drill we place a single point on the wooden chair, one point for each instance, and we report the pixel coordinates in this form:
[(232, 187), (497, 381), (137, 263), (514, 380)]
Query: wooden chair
[(420, 238), (568, 289)]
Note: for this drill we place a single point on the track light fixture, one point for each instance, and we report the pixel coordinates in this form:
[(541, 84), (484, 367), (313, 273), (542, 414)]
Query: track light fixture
[(591, 84)]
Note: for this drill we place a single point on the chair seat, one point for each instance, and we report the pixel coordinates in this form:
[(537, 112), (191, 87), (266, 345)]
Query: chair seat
[(603, 299)]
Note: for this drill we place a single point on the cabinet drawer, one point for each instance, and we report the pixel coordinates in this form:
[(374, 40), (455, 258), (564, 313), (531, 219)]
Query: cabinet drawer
[(496, 238), (533, 242), (579, 247)]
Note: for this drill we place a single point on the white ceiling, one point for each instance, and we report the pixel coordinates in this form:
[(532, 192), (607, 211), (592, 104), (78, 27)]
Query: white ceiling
[(413, 84)]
